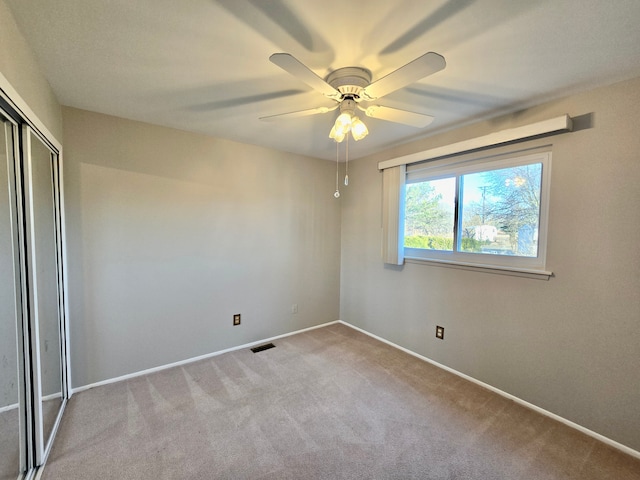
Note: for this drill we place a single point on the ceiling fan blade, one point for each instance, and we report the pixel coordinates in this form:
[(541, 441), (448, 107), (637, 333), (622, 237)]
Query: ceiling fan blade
[(299, 70), (405, 117), (413, 71), (299, 113)]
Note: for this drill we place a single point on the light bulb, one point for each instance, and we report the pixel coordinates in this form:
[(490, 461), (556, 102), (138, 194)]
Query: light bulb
[(337, 194), (346, 180)]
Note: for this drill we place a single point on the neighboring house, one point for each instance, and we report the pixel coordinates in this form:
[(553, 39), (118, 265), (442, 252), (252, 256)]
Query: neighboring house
[(485, 232)]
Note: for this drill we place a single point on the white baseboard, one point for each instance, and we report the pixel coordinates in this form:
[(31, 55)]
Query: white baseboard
[(194, 359), (52, 396), (586, 431), (8, 408)]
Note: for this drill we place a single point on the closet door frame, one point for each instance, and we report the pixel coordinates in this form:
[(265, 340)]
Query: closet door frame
[(20, 113), (43, 444), (25, 416)]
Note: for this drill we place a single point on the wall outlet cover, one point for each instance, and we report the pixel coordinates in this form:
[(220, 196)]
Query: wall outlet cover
[(236, 319), (439, 332)]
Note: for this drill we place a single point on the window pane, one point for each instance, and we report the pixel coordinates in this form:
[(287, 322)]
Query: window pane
[(501, 211), (429, 214)]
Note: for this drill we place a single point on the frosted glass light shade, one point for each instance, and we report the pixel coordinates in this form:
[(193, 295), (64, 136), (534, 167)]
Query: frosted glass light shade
[(346, 123), (337, 135), (359, 129)]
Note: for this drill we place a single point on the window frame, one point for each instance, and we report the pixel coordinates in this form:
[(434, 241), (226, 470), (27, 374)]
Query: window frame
[(457, 168)]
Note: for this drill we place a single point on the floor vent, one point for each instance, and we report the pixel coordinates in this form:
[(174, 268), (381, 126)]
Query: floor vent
[(266, 346)]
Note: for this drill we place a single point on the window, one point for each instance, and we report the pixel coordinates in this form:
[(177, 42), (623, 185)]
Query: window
[(489, 212)]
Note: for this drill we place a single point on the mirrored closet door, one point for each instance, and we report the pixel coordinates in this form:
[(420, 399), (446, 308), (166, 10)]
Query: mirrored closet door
[(33, 367), (12, 408), (45, 287)]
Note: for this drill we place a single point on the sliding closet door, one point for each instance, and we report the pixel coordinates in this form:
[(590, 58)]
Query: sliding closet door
[(45, 286), (12, 398)]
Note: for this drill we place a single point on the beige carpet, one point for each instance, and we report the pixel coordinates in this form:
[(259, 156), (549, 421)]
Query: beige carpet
[(9, 445), (10, 437), (331, 403)]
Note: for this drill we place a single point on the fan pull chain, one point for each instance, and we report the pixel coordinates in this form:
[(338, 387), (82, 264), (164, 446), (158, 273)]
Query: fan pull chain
[(346, 172), (337, 194)]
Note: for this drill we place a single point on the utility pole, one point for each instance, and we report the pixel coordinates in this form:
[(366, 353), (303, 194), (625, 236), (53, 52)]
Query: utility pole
[(484, 193)]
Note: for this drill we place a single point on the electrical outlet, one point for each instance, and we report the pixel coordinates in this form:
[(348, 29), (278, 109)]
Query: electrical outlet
[(236, 319), (294, 308), (439, 332)]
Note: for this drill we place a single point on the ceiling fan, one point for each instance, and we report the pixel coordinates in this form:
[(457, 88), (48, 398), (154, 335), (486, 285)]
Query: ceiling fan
[(349, 86)]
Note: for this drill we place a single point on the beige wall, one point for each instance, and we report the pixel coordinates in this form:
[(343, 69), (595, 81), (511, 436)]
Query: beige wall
[(171, 233), (570, 345), (19, 67)]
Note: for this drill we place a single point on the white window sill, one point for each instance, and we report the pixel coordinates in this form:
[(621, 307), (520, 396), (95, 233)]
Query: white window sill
[(477, 267)]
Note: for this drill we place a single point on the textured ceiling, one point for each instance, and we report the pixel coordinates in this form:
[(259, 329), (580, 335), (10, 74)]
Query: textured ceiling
[(203, 65)]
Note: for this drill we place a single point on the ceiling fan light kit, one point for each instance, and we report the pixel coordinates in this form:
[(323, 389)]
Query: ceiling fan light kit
[(348, 86), (347, 122)]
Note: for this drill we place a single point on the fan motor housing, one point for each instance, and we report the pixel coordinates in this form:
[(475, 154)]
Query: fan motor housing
[(349, 80)]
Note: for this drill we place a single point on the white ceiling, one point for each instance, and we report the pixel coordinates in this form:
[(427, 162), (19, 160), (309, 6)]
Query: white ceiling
[(203, 65)]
